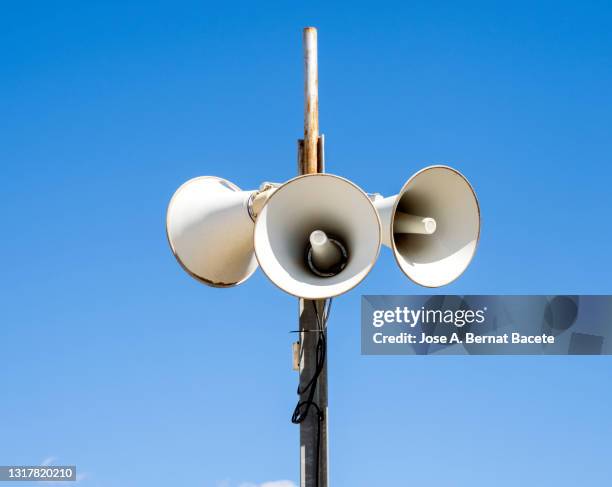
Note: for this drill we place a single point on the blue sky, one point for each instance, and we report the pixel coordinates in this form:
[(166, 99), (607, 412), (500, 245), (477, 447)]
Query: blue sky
[(111, 358)]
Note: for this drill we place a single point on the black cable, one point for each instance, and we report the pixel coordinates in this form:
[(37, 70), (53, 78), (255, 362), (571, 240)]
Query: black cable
[(300, 413)]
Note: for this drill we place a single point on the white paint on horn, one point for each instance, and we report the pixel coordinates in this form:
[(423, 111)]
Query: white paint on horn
[(386, 208), (210, 231), (312, 202), (444, 195)]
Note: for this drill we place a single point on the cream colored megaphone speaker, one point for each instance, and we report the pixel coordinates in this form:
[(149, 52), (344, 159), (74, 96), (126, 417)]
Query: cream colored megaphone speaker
[(317, 236), (210, 231), (432, 225)]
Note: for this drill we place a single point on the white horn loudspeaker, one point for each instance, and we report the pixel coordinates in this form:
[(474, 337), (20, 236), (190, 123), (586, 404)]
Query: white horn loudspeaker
[(209, 225), (317, 236), (432, 225)]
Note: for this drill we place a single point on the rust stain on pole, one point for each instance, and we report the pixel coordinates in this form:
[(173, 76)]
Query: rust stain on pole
[(311, 102)]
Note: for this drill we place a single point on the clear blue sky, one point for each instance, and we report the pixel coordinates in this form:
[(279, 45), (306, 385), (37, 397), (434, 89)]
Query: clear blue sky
[(113, 359)]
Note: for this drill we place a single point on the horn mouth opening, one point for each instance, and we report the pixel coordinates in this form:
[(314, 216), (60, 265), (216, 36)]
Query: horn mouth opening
[(310, 203), (445, 195)]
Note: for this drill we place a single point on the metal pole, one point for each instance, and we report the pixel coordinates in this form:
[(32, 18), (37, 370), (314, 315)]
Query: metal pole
[(311, 102), (310, 161)]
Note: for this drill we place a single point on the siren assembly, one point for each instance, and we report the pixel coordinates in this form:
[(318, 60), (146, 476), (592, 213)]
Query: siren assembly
[(318, 235)]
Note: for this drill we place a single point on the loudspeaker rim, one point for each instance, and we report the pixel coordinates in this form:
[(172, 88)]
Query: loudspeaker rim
[(232, 187), (301, 176), (394, 209)]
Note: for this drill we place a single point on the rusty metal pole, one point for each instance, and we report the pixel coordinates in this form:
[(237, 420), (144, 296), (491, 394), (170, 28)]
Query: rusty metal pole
[(311, 102), (310, 161)]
